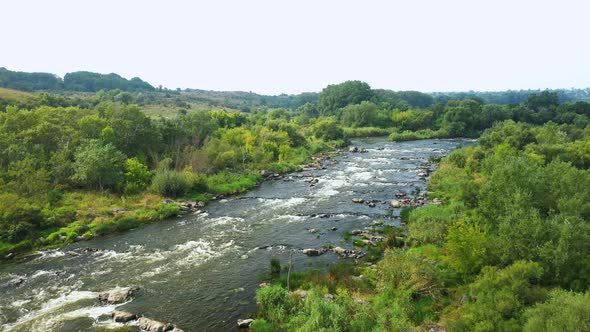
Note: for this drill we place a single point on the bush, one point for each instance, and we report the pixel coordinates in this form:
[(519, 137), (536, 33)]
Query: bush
[(167, 211), (274, 303), (367, 132), (416, 135), (171, 183)]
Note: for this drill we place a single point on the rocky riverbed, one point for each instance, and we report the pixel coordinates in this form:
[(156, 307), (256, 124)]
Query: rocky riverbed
[(199, 272)]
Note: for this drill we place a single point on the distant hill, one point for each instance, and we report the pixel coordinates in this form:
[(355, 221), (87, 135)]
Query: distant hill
[(511, 96), (82, 81)]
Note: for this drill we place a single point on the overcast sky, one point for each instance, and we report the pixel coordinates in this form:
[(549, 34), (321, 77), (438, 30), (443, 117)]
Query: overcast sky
[(274, 47)]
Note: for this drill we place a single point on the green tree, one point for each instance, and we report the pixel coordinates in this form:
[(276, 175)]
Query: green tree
[(360, 115), (137, 176), (563, 311), (334, 97), (98, 166)]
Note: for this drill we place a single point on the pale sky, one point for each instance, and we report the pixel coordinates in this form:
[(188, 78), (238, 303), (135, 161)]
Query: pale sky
[(274, 47)]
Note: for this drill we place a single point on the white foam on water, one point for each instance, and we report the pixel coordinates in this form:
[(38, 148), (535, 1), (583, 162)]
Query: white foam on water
[(47, 315), (224, 220), (378, 161), (186, 255), (41, 273), (354, 169), (330, 187), (102, 272), (93, 312), (279, 203), (50, 253), (19, 303), (362, 176), (287, 218)]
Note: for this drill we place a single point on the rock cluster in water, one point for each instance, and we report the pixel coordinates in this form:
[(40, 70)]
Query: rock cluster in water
[(117, 296)]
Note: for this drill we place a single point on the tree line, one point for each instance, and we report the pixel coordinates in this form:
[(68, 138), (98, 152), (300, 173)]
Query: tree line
[(81, 81)]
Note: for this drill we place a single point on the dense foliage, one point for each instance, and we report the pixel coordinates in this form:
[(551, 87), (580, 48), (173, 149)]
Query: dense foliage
[(505, 250), (78, 171)]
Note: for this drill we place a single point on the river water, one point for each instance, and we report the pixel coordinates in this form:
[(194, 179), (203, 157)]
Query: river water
[(201, 272)]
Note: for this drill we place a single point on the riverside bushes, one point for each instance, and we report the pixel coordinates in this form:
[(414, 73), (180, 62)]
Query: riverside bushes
[(508, 249)]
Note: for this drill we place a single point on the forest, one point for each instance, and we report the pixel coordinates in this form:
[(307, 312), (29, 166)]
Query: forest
[(507, 249)]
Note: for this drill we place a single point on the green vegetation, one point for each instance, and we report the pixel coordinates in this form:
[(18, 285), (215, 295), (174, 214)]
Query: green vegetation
[(73, 168), (506, 251)]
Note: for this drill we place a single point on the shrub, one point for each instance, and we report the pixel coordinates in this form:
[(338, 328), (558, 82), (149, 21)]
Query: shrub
[(167, 211), (126, 223), (274, 303), (171, 183)]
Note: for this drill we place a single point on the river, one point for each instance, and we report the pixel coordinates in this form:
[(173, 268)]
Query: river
[(201, 272)]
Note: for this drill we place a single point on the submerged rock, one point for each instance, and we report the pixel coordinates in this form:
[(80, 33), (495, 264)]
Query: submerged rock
[(123, 316), (245, 323)]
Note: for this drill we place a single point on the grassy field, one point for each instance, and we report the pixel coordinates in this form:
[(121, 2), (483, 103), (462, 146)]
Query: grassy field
[(15, 95)]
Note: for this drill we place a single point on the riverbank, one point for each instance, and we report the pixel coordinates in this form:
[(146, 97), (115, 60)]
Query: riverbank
[(93, 214)]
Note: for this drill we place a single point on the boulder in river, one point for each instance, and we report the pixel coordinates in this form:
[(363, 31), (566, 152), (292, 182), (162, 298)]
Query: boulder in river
[(358, 200), (245, 323), (312, 252), (151, 325), (116, 296), (395, 204), (123, 316), (372, 205), (265, 173), (312, 230)]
